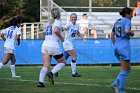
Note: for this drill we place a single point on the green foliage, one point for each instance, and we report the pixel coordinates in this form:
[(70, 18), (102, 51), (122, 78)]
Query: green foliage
[(28, 10)]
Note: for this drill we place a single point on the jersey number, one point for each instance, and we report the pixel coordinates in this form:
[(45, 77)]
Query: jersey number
[(73, 33), (10, 32), (119, 30), (49, 30)]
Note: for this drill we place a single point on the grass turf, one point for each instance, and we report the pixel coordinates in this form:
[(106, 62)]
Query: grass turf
[(95, 79)]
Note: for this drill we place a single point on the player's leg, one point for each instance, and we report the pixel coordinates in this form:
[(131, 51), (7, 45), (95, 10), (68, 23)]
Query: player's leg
[(5, 60), (125, 69), (12, 66), (73, 54), (44, 70), (8, 55), (66, 55), (115, 84), (46, 64), (61, 63)]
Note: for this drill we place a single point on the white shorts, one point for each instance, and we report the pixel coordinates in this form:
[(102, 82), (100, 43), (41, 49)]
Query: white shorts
[(51, 50), (7, 50), (68, 46)]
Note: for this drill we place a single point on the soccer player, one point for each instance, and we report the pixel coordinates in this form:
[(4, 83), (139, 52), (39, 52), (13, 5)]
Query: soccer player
[(120, 37), (11, 37), (71, 31), (51, 47)]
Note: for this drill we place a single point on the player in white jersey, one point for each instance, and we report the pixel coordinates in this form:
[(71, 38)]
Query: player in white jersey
[(71, 32), (11, 37), (51, 47)]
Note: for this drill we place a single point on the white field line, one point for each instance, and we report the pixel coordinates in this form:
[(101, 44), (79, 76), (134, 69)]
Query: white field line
[(78, 84)]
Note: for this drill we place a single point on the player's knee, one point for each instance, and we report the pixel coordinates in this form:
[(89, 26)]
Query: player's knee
[(73, 61), (125, 73)]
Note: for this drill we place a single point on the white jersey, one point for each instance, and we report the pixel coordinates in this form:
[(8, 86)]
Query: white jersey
[(71, 32), (51, 39), (10, 35)]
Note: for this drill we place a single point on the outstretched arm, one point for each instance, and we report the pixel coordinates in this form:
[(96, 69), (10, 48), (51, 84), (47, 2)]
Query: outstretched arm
[(79, 34)]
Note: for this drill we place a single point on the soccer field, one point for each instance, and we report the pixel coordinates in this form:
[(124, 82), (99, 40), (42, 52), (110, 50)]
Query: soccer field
[(95, 79)]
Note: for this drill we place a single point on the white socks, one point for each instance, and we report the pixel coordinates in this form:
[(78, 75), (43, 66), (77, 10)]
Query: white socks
[(1, 65), (42, 75), (13, 70), (57, 68), (73, 67)]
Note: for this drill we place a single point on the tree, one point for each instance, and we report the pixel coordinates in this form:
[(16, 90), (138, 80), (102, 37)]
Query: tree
[(28, 10)]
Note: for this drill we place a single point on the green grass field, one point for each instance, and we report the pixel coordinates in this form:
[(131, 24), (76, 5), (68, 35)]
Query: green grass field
[(95, 79)]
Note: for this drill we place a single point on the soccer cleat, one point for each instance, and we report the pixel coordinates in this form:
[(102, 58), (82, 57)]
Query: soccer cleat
[(50, 76), (56, 75), (16, 76), (40, 84), (76, 75), (115, 88)]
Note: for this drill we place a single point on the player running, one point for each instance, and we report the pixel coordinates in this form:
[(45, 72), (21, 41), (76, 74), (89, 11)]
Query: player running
[(51, 47), (71, 32), (120, 37), (11, 37)]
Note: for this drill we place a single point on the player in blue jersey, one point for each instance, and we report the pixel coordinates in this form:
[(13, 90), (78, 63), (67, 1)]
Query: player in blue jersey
[(120, 37), (11, 37), (51, 48)]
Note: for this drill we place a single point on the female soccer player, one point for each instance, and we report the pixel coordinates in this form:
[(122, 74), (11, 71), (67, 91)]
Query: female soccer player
[(51, 47), (72, 30), (120, 37), (11, 37)]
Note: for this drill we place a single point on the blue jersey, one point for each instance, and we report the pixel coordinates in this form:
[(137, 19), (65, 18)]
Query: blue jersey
[(119, 29), (122, 45)]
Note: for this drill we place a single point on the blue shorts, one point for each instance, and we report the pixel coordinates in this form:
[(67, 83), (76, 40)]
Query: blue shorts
[(122, 52)]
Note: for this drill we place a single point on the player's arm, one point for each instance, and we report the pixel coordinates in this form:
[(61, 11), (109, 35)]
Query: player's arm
[(57, 32), (2, 36), (18, 39), (79, 34), (129, 32), (66, 27), (113, 35), (128, 29)]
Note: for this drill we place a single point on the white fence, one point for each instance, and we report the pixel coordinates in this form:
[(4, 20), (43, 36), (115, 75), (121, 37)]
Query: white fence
[(33, 30)]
